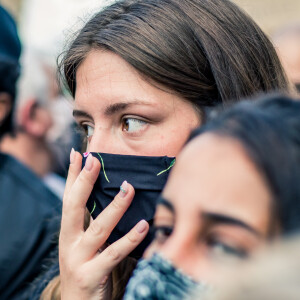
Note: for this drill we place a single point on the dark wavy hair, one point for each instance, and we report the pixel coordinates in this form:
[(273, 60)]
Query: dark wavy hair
[(269, 131), (207, 52)]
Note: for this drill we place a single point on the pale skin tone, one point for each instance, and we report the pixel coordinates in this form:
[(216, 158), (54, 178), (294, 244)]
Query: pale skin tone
[(288, 50), (221, 212), (28, 145), (121, 113), (124, 114)]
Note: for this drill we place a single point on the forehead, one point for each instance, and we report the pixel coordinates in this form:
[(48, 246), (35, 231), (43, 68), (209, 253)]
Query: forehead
[(214, 174), (104, 65), (106, 76)]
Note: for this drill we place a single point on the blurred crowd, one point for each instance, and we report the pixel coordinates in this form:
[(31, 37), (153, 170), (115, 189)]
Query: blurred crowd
[(148, 150)]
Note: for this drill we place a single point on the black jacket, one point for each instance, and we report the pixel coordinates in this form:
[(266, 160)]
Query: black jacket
[(29, 224)]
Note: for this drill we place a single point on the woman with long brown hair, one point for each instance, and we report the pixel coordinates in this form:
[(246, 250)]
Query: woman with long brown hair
[(142, 73)]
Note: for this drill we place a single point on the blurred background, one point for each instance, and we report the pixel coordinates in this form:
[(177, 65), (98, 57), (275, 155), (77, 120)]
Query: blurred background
[(269, 14), (46, 26)]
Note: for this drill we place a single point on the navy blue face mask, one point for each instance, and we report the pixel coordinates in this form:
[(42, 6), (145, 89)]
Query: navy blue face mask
[(148, 175)]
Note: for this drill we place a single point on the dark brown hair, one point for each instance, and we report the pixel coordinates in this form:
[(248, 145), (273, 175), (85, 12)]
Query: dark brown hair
[(205, 51)]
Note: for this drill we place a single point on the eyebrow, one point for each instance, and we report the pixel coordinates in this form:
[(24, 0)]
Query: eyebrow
[(79, 113), (111, 109), (214, 218), (117, 107), (164, 202), (224, 219)]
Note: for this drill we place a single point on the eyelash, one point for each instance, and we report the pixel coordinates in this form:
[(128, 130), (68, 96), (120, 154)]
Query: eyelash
[(82, 127), (213, 241), (161, 233), (141, 122)]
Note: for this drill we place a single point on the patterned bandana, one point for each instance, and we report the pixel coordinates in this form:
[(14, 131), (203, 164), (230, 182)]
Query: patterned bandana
[(158, 279), (146, 174)]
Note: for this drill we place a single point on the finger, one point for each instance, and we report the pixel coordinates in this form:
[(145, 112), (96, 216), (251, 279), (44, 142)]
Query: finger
[(115, 253), (74, 169), (75, 200), (100, 228)]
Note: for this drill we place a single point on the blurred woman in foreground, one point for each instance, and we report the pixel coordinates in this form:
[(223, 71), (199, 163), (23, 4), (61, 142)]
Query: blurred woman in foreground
[(235, 186), (272, 274)]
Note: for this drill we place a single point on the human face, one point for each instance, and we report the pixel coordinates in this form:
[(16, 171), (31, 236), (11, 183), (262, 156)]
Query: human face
[(122, 113), (215, 205)]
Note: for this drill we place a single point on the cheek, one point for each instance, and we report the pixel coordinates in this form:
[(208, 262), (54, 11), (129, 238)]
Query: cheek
[(152, 248), (176, 135)]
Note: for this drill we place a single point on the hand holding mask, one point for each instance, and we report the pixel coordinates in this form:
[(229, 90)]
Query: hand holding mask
[(148, 175), (84, 270)]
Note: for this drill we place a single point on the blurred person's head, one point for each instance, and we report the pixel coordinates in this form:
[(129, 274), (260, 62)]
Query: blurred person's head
[(234, 187), (51, 112), (32, 114), (10, 50), (287, 44), (273, 274), (32, 119)]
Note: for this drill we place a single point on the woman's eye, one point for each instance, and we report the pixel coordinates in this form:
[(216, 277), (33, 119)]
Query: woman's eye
[(219, 248), (132, 125), (161, 233), (88, 130)]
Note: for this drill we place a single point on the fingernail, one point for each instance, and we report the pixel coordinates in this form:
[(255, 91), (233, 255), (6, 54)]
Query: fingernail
[(141, 226), (72, 156), (89, 163), (123, 189)]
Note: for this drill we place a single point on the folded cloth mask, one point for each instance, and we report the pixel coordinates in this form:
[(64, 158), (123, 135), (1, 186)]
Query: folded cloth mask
[(157, 279), (148, 176)]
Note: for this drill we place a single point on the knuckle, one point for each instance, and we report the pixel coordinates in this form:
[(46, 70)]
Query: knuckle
[(132, 238), (83, 179), (80, 278), (96, 229), (113, 254), (116, 204), (71, 170), (83, 182)]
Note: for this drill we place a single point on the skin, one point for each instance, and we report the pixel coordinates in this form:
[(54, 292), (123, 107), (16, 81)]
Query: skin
[(121, 113), (228, 211), (5, 105), (28, 145), (288, 50)]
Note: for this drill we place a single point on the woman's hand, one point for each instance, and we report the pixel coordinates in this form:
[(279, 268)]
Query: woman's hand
[(84, 269)]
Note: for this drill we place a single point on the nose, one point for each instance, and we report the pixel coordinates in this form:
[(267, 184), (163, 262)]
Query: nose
[(100, 141), (176, 251), (184, 253)]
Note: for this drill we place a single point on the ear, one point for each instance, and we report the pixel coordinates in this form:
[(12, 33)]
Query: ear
[(5, 105), (34, 119)]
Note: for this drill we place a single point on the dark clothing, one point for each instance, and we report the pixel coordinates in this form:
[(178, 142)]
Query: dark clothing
[(10, 46), (147, 174), (10, 51), (29, 224), (9, 73), (38, 286)]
